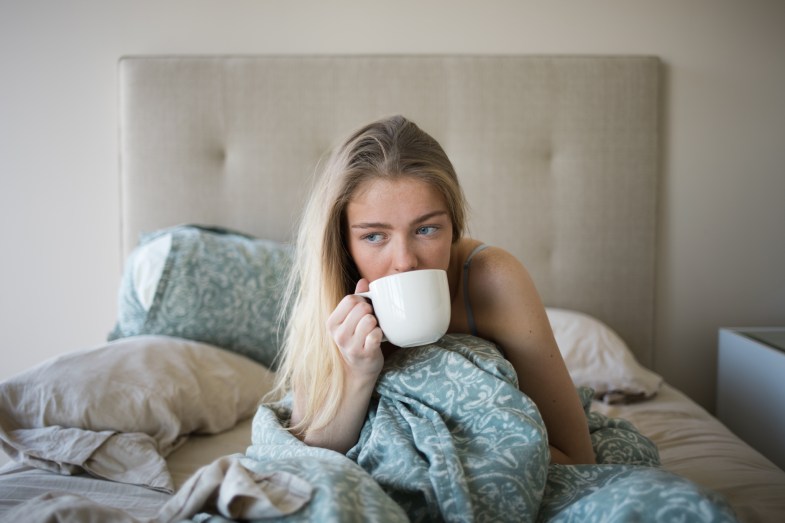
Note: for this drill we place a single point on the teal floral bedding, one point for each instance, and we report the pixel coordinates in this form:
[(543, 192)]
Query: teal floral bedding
[(449, 437), (213, 285)]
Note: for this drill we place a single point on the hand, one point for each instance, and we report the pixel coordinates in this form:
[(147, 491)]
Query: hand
[(355, 330)]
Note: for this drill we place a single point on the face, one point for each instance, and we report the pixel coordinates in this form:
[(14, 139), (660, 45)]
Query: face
[(396, 226)]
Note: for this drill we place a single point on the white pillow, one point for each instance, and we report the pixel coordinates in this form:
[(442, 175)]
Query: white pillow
[(597, 357), (148, 266)]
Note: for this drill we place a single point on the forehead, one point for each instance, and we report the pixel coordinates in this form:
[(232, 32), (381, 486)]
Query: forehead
[(399, 193)]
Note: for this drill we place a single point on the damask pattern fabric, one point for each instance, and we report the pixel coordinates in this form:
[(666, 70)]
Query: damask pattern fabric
[(449, 437), (216, 286), (623, 493), (342, 490)]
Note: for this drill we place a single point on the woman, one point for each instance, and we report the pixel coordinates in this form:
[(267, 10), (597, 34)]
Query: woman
[(389, 201)]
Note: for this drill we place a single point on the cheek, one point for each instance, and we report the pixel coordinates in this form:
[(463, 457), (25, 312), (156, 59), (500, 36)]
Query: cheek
[(445, 254), (436, 255), (367, 262)]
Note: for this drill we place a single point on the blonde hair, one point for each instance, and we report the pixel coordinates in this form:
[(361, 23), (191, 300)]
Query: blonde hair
[(323, 271)]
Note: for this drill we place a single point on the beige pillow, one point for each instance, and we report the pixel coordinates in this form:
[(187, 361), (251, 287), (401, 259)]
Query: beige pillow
[(597, 357), (116, 411)]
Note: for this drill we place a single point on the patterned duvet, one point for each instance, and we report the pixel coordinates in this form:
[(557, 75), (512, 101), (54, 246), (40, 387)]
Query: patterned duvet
[(449, 437)]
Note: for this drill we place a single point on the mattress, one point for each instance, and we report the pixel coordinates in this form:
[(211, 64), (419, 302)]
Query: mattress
[(696, 445)]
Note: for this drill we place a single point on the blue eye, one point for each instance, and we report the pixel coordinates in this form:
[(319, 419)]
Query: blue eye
[(426, 230), (373, 237)]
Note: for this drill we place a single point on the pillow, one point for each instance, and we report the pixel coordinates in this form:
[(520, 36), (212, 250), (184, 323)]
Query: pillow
[(116, 411), (205, 284), (597, 357)]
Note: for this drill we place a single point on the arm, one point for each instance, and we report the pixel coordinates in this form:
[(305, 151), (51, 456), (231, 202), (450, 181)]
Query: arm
[(509, 312), (354, 329)]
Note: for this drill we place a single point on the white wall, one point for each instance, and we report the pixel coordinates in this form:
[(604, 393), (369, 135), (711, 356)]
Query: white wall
[(722, 235)]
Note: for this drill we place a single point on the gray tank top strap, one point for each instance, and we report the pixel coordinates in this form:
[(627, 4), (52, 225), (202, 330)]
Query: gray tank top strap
[(466, 301)]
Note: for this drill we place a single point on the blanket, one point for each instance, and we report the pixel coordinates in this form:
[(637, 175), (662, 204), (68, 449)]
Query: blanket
[(449, 437)]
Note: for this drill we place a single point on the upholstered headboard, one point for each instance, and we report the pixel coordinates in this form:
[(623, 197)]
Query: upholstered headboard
[(558, 155)]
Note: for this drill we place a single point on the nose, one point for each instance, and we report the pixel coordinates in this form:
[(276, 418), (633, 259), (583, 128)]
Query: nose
[(404, 258)]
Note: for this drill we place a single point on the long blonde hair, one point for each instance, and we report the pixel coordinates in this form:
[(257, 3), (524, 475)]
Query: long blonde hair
[(323, 271)]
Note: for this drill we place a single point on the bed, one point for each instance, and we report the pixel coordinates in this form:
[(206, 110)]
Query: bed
[(558, 156)]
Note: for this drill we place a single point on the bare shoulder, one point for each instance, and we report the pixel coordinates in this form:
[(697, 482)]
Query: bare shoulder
[(495, 272), (505, 299), (509, 311), (489, 262)]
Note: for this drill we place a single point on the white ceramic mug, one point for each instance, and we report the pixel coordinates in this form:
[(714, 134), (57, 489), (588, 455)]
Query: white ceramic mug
[(413, 308)]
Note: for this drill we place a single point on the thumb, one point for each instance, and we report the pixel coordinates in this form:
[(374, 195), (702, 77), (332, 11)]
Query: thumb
[(362, 286)]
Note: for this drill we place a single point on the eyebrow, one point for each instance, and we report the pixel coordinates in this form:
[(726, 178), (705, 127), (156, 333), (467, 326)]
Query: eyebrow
[(381, 225)]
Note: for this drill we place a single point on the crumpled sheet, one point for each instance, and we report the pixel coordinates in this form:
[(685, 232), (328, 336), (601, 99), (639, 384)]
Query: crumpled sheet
[(224, 487)]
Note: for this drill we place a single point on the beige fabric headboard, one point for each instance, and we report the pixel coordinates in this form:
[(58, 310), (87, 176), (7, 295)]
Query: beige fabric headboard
[(558, 155)]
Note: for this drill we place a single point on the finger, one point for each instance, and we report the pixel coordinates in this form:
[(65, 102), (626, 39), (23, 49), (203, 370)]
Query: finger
[(363, 343), (342, 310), (374, 339), (345, 333), (359, 321), (366, 325), (358, 311)]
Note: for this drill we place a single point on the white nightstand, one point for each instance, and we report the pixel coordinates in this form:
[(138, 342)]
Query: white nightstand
[(751, 387)]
